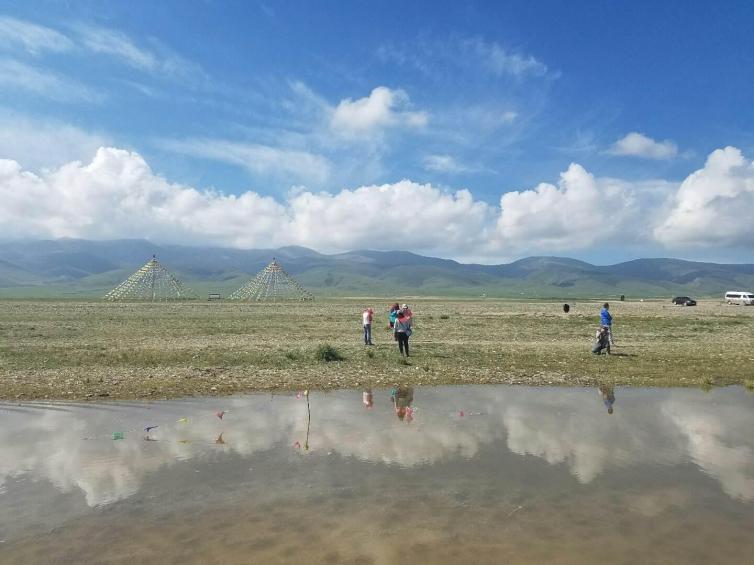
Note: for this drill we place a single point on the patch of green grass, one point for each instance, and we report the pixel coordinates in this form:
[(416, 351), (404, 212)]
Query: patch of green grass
[(293, 355), (444, 317), (327, 353), (706, 384), (370, 353)]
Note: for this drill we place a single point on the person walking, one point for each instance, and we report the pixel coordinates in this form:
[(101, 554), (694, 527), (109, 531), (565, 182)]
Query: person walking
[(606, 320), (402, 330), (367, 315)]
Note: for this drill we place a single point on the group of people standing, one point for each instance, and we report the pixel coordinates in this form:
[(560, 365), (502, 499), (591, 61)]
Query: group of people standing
[(400, 320)]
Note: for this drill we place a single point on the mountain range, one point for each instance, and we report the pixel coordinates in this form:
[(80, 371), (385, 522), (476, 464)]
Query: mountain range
[(84, 268)]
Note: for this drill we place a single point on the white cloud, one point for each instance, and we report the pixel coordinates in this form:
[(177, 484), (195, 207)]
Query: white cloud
[(563, 427), (42, 82), (443, 164), (117, 195), (637, 144), (82, 38), (381, 109), (714, 205), (45, 143), (501, 61), (427, 217), (31, 37), (487, 58), (581, 211), (256, 158), (117, 44), (158, 60)]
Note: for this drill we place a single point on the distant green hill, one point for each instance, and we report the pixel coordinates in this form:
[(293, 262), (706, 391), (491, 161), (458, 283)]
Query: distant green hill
[(72, 267)]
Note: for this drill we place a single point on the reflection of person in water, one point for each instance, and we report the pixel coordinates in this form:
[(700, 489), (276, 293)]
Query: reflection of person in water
[(367, 398), (608, 397), (402, 397)]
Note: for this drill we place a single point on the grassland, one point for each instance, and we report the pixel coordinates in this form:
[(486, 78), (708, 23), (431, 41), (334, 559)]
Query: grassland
[(75, 350)]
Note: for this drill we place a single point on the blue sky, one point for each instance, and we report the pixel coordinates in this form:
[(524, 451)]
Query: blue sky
[(293, 101)]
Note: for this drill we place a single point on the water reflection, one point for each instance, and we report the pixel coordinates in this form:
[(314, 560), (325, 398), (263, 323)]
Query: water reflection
[(608, 397), (72, 446)]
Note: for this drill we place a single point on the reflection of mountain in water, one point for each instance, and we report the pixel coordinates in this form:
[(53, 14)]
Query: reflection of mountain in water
[(560, 426)]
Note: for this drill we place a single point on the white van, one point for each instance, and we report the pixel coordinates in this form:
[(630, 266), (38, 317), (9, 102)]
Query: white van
[(739, 297)]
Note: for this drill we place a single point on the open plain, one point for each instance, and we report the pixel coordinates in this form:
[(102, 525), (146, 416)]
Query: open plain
[(79, 350)]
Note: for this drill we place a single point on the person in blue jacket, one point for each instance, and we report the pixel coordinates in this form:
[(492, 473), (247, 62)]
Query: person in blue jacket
[(606, 320)]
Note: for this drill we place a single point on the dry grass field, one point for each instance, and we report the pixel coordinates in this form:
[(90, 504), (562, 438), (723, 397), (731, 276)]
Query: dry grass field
[(74, 350)]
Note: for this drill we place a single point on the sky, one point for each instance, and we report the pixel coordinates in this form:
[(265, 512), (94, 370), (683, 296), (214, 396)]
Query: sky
[(479, 131)]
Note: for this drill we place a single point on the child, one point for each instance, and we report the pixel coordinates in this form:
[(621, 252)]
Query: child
[(603, 341), (393, 315), (606, 320)]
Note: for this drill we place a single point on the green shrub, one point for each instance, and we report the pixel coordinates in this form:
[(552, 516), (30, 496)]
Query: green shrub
[(370, 353), (444, 317), (328, 353)]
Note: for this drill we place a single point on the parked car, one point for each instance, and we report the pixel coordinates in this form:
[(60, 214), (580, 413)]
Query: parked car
[(684, 301), (743, 298)]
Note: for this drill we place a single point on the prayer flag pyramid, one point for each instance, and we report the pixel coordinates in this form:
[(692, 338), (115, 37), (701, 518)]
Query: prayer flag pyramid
[(151, 282), (272, 283)]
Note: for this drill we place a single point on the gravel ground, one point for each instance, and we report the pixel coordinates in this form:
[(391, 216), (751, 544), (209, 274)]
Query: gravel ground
[(90, 350)]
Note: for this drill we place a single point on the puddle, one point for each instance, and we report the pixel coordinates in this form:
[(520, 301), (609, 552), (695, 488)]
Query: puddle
[(485, 474)]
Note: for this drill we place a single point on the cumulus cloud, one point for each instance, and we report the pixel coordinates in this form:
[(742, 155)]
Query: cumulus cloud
[(637, 144), (118, 195), (383, 108), (577, 213), (714, 204)]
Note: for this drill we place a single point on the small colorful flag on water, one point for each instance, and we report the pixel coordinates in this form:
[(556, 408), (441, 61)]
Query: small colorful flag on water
[(118, 435)]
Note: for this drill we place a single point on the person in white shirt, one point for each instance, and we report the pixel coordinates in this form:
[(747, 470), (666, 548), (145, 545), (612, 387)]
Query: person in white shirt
[(367, 317)]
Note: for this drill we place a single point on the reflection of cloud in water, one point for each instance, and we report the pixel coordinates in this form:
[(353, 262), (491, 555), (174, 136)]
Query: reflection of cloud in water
[(722, 449), (568, 426)]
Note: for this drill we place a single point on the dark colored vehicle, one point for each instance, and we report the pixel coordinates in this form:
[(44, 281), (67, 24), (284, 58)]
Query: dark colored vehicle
[(684, 301)]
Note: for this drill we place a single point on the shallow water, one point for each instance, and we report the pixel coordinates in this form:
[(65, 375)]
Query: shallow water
[(484, 474)]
